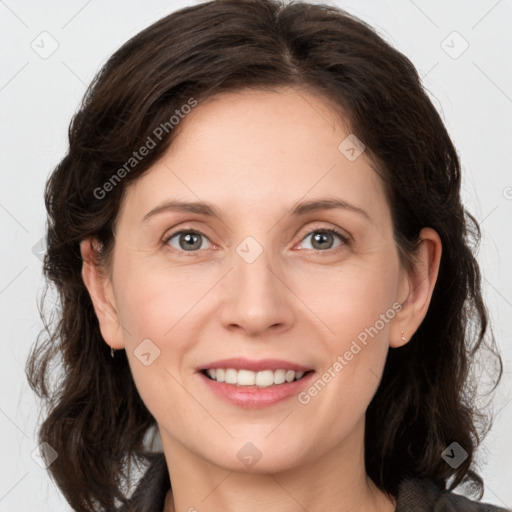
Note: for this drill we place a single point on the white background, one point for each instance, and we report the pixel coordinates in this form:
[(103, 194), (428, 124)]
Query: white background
[(38, 97)]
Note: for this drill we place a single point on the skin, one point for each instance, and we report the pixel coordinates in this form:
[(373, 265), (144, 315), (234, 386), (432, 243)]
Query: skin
[(253, 155)]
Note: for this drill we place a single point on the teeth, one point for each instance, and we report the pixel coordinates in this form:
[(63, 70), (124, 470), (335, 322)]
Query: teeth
[(244, 378), (262, 379), (231, 376)]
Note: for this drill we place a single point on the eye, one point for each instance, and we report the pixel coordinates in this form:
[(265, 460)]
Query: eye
[(322, 239), (190, 240), (187, 240)]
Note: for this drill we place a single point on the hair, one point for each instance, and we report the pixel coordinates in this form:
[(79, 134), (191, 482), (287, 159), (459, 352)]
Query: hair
[(95, 419)]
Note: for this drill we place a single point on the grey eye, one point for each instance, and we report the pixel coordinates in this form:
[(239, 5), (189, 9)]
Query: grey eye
[(323, 239), (187, 240)]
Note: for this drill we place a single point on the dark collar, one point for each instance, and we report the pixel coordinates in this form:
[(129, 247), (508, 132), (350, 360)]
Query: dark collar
[(414, 495), (423, 495)]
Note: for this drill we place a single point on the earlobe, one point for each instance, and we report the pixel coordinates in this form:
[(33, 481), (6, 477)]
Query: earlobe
[(100, 290), (420, 283)]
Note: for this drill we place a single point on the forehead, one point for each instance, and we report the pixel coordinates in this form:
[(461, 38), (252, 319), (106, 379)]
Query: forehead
[(253, 151)]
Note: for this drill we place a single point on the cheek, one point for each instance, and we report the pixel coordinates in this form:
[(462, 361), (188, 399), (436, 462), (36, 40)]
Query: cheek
[(359, 305), (151, 303), (354, 300), (157, 311), (153, 312)]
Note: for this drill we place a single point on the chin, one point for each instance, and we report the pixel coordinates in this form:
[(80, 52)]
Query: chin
[(255, 457)]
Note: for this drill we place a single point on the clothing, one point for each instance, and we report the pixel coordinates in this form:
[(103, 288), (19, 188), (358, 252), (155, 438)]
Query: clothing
[(414, 495)]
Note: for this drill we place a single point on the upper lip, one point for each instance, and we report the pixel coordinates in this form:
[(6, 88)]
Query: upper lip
[(240, 363)]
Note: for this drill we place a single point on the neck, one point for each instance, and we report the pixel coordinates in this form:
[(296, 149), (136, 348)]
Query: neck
[(335, 481)]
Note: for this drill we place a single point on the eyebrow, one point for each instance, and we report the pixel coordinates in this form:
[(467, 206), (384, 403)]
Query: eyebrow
[(303, 208)]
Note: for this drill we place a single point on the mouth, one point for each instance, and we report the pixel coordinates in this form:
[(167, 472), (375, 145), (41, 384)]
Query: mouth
[(258, 379), (254, 384)]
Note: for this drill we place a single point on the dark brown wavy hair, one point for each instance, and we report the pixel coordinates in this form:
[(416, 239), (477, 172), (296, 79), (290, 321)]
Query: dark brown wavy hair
[(95, 418)]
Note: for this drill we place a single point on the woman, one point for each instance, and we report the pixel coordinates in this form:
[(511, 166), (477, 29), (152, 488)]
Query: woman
[(213, 156)]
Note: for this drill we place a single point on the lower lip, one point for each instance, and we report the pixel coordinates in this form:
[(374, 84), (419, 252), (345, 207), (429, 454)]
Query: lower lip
[(253, 397)]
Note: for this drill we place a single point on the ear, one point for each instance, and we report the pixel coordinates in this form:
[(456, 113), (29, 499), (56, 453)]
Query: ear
[(417, 288), (99, 286)]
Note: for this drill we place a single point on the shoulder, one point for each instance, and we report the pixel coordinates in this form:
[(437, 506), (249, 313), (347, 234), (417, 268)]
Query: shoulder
[(423, 495)]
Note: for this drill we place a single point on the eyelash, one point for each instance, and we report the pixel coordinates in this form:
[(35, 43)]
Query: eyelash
[(344, 239)]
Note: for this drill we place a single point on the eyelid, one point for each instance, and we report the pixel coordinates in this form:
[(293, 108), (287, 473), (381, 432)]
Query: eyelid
[(342, 233)]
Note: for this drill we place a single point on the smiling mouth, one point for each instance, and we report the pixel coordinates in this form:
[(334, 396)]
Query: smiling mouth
[(261, 379)]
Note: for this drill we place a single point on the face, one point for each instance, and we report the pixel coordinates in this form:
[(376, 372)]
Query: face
[(274, 279)]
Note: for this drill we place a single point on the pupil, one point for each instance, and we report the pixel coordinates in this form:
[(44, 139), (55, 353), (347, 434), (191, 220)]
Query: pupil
[(190, 242), (321, 238)]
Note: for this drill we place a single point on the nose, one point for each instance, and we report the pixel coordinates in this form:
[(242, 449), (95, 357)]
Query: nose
[(257, 297)]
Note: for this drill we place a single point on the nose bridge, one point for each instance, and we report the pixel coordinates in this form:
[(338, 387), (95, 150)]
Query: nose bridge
[(257, 296), (254, 267)]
